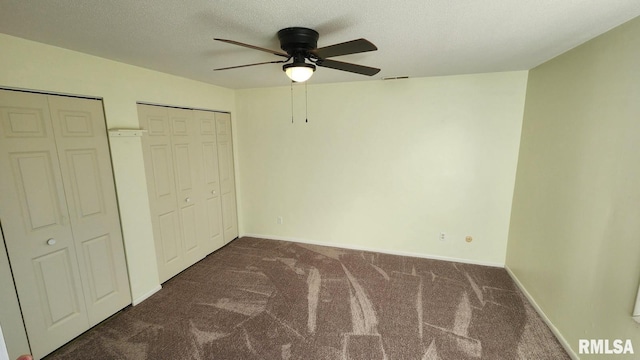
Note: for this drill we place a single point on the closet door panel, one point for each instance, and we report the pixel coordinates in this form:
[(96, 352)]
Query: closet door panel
[(170, 250), (210, 178), (81, 141), (162, 180), (190, 225), (163, 197), (35, 223), (101, 269), (184, 175), (214, 223), (227, 177), (190, 201)]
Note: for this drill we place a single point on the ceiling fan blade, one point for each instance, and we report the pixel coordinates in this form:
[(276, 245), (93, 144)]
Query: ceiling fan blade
[(354, 68), (241, 66), (345, 48), (274, 52)]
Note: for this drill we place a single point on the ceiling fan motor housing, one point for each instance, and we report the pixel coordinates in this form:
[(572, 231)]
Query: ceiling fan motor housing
[(298, 40)]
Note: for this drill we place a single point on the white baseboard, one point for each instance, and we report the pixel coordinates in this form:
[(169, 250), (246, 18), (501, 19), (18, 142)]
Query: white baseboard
[(565, 344), (144, 297), (364, 248)]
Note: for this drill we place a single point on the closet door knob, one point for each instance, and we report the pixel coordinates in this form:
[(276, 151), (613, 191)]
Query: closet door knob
[(51, 241), (188, 199), (213, 192)]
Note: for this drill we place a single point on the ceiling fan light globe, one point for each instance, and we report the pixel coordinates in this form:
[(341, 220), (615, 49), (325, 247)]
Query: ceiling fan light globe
[(299, 72)]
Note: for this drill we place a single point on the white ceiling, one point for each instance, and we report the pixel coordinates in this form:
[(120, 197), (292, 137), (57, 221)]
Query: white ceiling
[(415, 38)]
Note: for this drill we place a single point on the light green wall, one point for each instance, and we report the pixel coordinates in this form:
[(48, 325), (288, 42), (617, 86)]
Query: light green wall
[(30, 65), (385, 165), (574, 239)]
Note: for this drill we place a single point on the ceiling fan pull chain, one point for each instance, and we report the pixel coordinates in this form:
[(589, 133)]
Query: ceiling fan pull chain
[(306, 103), (292, 101)]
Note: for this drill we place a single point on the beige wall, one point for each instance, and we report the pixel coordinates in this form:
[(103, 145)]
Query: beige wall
[(30, 65), (574, 239), (384, 165)]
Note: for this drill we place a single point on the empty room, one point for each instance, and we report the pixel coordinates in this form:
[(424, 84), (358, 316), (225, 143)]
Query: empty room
[(319, 180)]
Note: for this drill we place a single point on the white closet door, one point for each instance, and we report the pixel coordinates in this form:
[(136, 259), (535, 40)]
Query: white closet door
[(35, 223), (206, 141), (165, 219), (227, 177), (189, 167), (81, 140), (190, 199), (67, 275)]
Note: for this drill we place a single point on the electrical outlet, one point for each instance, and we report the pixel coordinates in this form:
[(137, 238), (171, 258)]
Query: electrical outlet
[(442, 236), (280, 220)]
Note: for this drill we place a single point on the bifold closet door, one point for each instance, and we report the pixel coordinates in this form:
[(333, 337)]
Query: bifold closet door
[(82, 143), (185, 184), (59, 216), (159, 169), (189, 193), (210, 178), (227, 176)]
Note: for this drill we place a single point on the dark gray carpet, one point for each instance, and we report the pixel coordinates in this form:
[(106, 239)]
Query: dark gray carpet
[(266, 299)]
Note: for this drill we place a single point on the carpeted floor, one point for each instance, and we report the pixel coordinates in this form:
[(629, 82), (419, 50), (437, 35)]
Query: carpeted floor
[(266, 299)]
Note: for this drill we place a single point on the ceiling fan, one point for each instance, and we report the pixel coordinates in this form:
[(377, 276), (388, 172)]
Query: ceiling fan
[(301, 44)]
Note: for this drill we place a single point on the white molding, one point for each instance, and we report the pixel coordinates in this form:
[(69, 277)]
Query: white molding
[(384, 251), (147, 295), (565, 344)]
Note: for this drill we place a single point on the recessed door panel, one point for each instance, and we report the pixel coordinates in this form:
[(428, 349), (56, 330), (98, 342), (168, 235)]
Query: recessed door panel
[(57, 289), (162, 173), (223, 124), (180, 123), (189, 226), (183, 167), (226, 171), (35, 184), (76, 123), (23, 122), (86, 183), (157, 125), (228, 208), (168, 230), (101, 266), (210, 165), (214, 221), (207, 123)]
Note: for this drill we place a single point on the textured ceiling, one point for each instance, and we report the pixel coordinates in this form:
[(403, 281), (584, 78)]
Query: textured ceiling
[(415, 38)]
